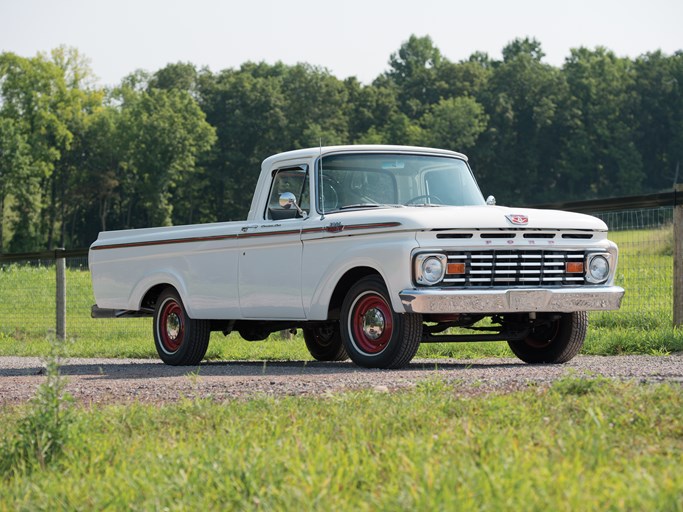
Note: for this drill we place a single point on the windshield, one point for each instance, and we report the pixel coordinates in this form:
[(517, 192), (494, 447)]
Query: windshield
[(385, 180)]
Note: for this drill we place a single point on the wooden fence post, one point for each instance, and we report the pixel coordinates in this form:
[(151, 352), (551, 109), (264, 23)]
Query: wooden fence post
[(678, 255), (60, 264)]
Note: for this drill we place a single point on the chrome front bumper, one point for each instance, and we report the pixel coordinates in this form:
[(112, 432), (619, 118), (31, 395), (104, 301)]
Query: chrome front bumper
[(564, 300)]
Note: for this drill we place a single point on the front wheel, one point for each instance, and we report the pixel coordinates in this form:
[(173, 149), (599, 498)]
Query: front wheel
[(373, 334), (556, 341), (179, 339)]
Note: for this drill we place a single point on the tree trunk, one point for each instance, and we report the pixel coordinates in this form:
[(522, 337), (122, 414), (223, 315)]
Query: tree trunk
[(2, 220), (62, 210), (52, 213), (103, 213), (129, 214)]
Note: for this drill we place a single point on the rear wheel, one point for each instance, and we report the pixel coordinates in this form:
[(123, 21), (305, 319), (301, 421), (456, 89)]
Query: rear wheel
[(324, 342), (556, 341), (179, 339), (373, 334)]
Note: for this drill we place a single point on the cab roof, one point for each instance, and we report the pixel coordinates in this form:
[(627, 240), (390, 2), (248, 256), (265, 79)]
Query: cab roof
[(365, 148)]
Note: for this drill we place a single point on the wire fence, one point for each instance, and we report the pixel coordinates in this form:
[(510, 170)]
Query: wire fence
[(646, 264), (28, 305), (645, 237)]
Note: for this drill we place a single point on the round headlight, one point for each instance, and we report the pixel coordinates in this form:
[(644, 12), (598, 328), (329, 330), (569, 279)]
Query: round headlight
[(598, 269), (431, 269)]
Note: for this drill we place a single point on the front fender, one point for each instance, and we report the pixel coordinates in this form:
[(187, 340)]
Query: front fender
[(326, 261)]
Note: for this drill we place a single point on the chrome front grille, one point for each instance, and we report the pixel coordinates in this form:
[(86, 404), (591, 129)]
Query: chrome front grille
[(504, 268)]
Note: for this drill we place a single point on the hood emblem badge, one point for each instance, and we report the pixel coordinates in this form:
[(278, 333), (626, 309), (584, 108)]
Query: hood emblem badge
[(518, 219)]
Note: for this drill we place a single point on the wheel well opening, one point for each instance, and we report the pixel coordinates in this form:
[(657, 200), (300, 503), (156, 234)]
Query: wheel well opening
[(343, 286), (150, 298)]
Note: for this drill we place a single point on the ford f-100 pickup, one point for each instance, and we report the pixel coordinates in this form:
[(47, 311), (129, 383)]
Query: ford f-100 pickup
[(370, 250)]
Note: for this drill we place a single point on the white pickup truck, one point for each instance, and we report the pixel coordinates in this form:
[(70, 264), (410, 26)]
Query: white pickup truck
[(370, 250)]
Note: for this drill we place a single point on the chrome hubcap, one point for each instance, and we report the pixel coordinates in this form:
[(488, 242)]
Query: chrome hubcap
[(373, 323), (173, 326)]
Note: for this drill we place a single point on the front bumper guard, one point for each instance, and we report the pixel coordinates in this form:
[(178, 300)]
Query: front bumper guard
[(561, 300)]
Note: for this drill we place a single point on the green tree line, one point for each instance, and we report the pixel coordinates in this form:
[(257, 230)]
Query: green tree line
[(184, 144)]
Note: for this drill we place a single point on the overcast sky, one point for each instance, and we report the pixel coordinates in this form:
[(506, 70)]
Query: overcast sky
[(348, 37)]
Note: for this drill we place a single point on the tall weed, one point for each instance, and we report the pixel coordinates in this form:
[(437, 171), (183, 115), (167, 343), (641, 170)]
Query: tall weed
[(43, 431)]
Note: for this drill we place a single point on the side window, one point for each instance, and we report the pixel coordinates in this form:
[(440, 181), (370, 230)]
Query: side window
[(293, 180)]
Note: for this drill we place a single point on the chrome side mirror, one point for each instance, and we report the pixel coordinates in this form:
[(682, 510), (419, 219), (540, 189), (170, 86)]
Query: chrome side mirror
[(491, 201), (288, 200)]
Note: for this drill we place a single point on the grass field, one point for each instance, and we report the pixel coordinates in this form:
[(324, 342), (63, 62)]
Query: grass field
[(573, 447), (642, 326)]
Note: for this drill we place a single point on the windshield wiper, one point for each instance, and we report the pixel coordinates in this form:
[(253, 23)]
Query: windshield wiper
[(369, 205)]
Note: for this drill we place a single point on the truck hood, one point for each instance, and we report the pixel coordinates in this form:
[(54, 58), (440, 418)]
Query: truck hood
[(475, 217)]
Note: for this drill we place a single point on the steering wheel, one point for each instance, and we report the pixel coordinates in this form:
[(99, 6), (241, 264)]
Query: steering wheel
[(425, 196), (330, 198)]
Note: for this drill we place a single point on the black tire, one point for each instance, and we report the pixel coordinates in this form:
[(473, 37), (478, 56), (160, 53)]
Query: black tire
[(179, 340), (391, 341), (324, 342), (555, 343)]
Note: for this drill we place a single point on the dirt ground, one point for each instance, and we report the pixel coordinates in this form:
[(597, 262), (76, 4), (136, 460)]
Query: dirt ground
[(92, 381)]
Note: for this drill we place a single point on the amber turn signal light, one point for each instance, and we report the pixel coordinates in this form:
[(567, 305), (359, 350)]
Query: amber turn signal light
[(456, 268), (574, 267)]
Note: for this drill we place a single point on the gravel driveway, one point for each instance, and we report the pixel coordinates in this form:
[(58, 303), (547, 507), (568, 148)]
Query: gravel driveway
[(125, 380)]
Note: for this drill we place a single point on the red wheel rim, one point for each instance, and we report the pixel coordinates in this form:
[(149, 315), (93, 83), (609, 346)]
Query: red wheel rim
[(171, 326), (371, 323)]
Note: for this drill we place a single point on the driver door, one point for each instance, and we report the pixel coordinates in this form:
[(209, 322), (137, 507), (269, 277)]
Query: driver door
[(271, 252)]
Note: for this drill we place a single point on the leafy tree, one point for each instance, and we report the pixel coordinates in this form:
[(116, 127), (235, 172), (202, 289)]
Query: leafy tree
[(518, 154), (313, 97), (183, 145), (78, 101), (413, 68), (181, 76), (454, 123), (163, 134), (34, 94), (259, 110), (94, 181), (530, 48), (368, 108), (658, 134), (247, 114), (599, 154), (15, 166), (467, 78), (401, 129)]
